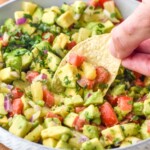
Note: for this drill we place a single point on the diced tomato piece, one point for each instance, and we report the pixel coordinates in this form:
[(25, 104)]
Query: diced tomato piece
[(70, 45), (48, 97), (83, 82), (138, 82), (137, 75), (79, 123), (148, 126), (52, 115), (108, 115), (79, 109), (112, 99), (17, 106), (102, 75), (4, 44), (76, 60), (125, 103), (16, 93), (31, 75), (97, 3), (48, 37)]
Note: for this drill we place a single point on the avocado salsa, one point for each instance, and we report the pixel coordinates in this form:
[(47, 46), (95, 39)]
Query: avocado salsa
[(32, 46)]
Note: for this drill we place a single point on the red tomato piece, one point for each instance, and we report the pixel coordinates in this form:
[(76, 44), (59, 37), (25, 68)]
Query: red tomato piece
[(4, 44), (79, 123), (102, 75), (138, 82), (31, 75), (83, 82), (48, 37), (148, 126), (97, 3), (125, 103), (76, 60), (70, 45), (108, 115), (16, 93), (17, 106), (48, 97), (52, 115), (79, 109), (112, 99)]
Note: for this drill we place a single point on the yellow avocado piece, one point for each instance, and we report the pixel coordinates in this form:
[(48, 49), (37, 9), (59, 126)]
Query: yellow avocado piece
[(66, 19)]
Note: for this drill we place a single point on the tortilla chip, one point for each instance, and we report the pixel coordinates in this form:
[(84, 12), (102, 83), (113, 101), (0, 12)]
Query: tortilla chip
[(96, 51)]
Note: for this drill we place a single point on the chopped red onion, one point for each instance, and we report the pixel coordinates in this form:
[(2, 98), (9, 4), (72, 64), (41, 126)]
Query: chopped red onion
[(83, 139), (45, 52), (10, 86), (7, 104), (89, 95), (21, 21), (44, 76)]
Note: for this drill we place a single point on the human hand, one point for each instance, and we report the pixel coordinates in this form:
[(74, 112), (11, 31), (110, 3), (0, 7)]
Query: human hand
[(127, 40)]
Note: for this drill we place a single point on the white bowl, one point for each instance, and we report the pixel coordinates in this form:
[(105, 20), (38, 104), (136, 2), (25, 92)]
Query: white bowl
[(15, 143)]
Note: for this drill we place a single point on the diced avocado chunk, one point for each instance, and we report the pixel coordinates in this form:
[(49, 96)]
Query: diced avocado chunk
[(71, 92), (95, 98), (118, 90), (130, 129), (44, 45), (2, 108), (35, 134), (79, 6), (82, 35), (108, 25), (49, 17), (75, 100), (113, 135), (146, 108), (60, 41), (63, 110), (29, 7), (49, 142), (20, 84), (93, 144), (66, 19), (55, 9), (37, 15), (55, 132), (37, 86), (20, 127), (7, 75), (26, 60), (144, 130), (69, 119), (90, 131), (52, 61), (63, 145), (67, 76), (129, 141), (49, 122), (120, 113), (138, 108), (4, 121), (10, 24), (15, 62), (90, 113), (27, 28), (65, 7)]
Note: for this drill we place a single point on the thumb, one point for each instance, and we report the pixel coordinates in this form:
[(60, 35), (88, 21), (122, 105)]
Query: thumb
[(129, 34)]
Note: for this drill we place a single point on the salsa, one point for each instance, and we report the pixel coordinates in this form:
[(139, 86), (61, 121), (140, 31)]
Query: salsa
[(32, 46)]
